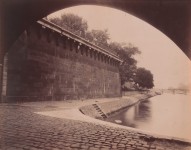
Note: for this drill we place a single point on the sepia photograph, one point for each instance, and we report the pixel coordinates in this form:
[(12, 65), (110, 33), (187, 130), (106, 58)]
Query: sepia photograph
[(95, 75)]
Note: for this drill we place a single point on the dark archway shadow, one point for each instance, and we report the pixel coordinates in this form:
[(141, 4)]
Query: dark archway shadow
[(170, 17)]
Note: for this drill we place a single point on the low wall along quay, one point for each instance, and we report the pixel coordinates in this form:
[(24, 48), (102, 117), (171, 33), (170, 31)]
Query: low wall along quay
[(106, 109), (49, 63)]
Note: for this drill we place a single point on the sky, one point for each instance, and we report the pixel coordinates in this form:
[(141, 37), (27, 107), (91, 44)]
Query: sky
[(168, 64)]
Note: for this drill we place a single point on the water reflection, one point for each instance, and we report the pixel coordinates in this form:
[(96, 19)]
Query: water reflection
[(167, 114), (143, 111), (140, 112)]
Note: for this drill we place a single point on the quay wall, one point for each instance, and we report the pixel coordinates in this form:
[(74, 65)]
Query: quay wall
[(46, 65), (107, 109)]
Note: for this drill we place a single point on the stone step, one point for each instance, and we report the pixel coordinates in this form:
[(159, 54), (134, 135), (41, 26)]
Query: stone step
[(99, 110)]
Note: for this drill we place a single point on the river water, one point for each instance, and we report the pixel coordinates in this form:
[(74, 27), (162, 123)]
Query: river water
[(166, 114)]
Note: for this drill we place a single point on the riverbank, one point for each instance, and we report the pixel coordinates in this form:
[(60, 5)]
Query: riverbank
[(60, 125), (106, 109)]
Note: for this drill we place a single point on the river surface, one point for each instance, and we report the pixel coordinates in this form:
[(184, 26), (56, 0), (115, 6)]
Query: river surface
[(166, 114)]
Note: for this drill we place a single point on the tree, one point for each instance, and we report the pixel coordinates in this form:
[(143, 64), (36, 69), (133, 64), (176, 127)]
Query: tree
[(144, 78), (126, 53), (72, 22), (98, 37)]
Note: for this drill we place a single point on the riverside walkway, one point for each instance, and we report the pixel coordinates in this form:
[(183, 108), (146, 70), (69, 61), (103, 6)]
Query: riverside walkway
[(53, 126)]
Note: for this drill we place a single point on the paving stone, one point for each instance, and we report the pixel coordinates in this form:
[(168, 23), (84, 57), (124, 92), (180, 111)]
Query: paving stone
[(84, 147), (41, 132), (105, 148), (55, 149), (146, 146), (93, 148), (160, 148), (141, 148), (139, 144), (152, 146)]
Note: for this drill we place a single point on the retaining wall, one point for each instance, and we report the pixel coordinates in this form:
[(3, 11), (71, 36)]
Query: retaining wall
[(106, 109), (46, 65)]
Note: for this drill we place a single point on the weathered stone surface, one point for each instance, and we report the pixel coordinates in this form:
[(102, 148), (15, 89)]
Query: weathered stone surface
[(42, 65), (21, 128)]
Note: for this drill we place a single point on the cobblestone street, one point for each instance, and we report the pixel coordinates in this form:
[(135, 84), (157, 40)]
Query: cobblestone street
[(21, 128)]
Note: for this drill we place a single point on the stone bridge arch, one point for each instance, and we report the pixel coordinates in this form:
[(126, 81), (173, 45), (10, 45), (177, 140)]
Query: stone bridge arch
[(173, 18)]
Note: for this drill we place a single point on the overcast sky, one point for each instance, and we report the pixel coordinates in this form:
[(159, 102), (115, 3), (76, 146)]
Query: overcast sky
[(169, 65)]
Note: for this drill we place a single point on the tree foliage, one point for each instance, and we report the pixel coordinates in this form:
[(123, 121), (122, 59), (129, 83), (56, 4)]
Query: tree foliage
[(126, 52), (79, 26), (144, 78), (98, 37), (72, 22), (128, 66)]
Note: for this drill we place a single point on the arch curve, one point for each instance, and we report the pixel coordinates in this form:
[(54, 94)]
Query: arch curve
[(170, 17)]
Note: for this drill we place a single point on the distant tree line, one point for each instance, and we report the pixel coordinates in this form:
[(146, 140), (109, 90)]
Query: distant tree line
[(129, 72)]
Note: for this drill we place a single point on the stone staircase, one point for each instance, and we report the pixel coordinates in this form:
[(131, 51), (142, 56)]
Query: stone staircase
[(102, 114)]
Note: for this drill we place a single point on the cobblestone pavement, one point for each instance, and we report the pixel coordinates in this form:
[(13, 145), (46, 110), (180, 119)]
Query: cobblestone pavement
[(21, 128)]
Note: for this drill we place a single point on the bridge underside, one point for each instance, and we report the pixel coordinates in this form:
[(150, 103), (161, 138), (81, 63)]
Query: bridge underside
[(173, 18)]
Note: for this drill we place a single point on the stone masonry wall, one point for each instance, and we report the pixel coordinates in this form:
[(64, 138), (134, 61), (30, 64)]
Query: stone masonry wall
[(43, 65)]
